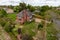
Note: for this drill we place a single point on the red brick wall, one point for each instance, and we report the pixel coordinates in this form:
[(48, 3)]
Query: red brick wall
[(28, 18), (25, 15), (25, 18)]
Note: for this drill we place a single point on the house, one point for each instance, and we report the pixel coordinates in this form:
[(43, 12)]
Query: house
[(24, 15), (37, 11), (58, 8), (8, 10)]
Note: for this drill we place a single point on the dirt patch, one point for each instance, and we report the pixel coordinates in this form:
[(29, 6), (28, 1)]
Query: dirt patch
[(37, 20), (4, 35)]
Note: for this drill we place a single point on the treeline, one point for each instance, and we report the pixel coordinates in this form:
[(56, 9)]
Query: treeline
[(40, 10), (36, 9)]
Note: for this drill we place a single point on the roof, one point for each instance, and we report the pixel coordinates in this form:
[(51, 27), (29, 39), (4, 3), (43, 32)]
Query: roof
[(8, 10), (20, 14)]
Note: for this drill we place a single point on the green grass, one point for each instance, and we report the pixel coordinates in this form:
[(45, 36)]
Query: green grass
[(28, 28), (12, 16)]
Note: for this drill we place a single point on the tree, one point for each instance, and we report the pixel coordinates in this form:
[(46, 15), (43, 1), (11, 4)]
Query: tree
[(2, 22), (22, 5), (28, 6), (40, 26), (31, 8), (9, 26), (17, 9), (44, 8), (3, 13)]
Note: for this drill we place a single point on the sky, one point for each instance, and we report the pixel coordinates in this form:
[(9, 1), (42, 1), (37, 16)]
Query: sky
[(31, 2)]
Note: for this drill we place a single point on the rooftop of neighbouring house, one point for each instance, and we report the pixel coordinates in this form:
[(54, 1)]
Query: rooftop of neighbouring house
[(8, 10)]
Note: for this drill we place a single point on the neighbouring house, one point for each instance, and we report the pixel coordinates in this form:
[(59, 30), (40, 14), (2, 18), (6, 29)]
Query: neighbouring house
[(37, 11), (8, 10), (58, 8), (24, 15)]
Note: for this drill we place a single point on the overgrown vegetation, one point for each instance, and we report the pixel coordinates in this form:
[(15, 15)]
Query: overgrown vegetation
[(29, 28), (12, 16), (40, 26), (51, 32)]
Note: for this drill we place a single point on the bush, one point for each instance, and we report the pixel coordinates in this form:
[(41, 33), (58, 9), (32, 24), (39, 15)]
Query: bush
[(40, 26), (29, 29), (2, 22), (8, 27), (27, 37), (3, 13)]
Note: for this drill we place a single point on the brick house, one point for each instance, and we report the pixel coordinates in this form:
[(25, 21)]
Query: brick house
[(24, 15)]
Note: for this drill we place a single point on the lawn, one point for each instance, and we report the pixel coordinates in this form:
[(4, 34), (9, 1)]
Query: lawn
[(12, 16)]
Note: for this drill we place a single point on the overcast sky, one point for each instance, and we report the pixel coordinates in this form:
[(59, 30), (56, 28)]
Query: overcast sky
[(32, 2)]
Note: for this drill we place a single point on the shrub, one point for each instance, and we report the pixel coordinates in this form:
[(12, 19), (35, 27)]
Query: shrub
[(3, 13), (40, 26), (27, 37), (8, 27)]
